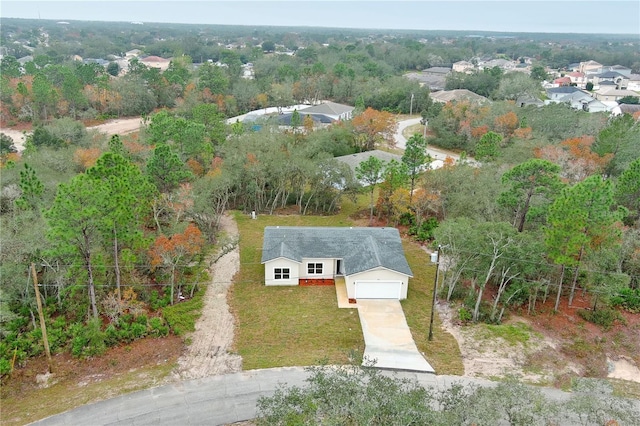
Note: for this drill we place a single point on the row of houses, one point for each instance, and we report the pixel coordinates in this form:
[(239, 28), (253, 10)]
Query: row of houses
[(595, 76)]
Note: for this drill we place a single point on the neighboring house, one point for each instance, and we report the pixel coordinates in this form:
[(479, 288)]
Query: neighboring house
[(25, 59), (562, 81), (156, 62), (462, 66), (319, 120), (526, 100), (619, 81), (353, 160), (619, 69), (556, 93), (133, 53), (432, 81), (371, 260), (458, 95), (247, 71), (626, 109), (590, 67), (634, 82), (577, 78), (444, 71), (579, 100), (500, 63), (611, 94), (99, 61), (338, 112)]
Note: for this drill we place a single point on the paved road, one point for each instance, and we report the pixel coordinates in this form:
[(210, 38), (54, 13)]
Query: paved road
[(218, 400), (438, 155)]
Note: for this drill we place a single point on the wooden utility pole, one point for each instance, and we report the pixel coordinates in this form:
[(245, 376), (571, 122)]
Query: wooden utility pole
[(41, 315)]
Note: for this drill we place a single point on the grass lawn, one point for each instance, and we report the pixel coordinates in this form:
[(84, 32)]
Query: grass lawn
[(286, 326)]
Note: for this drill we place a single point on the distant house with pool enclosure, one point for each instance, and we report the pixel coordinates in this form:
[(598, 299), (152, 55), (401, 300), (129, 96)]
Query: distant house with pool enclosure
[(371, 260)]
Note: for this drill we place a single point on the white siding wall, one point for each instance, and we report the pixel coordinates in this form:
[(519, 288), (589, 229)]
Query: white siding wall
[(328, 268), (294, 269), (379, 274)]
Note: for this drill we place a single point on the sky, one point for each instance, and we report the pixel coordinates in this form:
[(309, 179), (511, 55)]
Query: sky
[(559, 16)]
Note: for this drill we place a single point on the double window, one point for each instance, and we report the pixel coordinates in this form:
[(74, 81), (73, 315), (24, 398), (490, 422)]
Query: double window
[(314, 268), (281, 273)]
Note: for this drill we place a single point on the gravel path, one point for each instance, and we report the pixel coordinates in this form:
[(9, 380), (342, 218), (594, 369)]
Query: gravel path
[(208, 354)]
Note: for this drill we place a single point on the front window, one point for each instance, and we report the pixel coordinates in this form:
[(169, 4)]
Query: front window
[(281, 273), (314, 268)]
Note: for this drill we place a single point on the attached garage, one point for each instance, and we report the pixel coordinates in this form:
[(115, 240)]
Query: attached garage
[(378, 290), (371, 260)]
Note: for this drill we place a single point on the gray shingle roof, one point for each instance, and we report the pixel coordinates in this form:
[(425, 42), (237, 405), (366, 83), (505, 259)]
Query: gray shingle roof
[(329, 108), (353, 160), (361, 249)]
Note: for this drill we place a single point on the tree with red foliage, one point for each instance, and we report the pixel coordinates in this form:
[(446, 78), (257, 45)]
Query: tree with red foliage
[(176, 250), (374, 127)]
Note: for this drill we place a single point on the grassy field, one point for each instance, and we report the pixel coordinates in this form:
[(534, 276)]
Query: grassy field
[(285, 326)]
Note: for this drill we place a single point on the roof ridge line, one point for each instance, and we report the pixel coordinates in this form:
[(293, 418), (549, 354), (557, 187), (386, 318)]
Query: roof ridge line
[(375, 249)]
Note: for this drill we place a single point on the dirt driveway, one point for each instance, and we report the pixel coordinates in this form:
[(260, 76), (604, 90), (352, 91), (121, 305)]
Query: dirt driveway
[(120, 126)]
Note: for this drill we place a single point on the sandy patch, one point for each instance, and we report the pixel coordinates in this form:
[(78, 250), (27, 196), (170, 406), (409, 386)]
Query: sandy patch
[(484, 356), (18, 137), (120, 126), (623, 368), (209, 352)]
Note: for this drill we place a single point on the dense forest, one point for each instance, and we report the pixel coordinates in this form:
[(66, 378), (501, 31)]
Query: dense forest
[(117, 228)]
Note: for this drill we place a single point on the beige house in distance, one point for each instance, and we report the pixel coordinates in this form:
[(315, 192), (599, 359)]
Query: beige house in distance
[(156, 62), (462, 66), (611, 94)]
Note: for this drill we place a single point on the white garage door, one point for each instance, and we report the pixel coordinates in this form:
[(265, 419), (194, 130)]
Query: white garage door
[(378, 289)]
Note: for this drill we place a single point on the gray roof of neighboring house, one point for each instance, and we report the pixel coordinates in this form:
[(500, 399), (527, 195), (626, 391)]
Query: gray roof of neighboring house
[(353, 160), (433, 81), (437, 70), (619, 67), (361, 249), (629, 108), (285, 119), (610, 74), (328, 108), (576, 96), (457, 95), (563, 89)]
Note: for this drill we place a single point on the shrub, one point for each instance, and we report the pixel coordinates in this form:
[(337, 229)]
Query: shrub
[(138, 330), (182, 316), (158, 328), (424, 232), (464, 315), (89, 340), (111, 335), (628, 299), (156, 302), (5, 366), (602, 317)]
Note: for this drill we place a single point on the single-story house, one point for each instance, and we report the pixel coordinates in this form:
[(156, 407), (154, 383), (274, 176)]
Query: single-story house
[(432, 81), (331, 109), (156, 62), (354, 160), (611, 94), (458, 95), (371, 260), (556, 93)]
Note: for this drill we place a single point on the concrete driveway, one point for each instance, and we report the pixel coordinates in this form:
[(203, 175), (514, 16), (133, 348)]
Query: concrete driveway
[(387, 337)]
